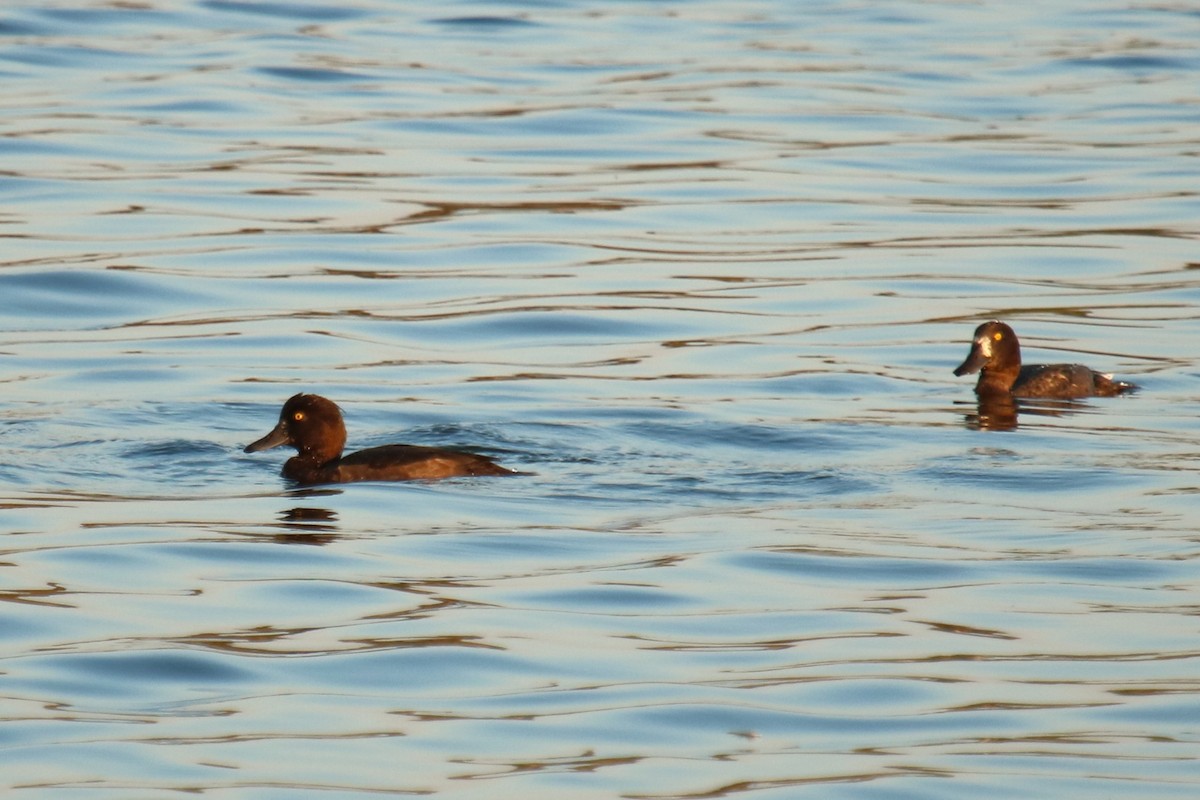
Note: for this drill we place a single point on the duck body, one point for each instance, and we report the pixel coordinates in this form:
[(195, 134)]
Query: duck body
[(996, 356), (314, 426)]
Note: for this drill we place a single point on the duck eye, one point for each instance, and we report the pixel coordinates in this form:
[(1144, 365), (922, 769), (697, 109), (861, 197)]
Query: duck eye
[(997, 336), (298, 416)]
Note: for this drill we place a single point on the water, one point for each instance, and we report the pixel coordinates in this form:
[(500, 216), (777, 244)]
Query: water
[(704, 270)]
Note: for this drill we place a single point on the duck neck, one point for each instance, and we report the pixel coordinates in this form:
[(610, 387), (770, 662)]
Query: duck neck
[(308, 467)]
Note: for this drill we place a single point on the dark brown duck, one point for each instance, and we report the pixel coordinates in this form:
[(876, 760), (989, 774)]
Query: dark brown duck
[(313, 425), (996, 356)]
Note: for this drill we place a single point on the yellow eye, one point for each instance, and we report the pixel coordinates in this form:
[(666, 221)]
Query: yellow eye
[(298, 416), (997, 336)]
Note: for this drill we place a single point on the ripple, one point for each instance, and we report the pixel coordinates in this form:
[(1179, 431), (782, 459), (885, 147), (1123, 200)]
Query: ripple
[(307, 12)]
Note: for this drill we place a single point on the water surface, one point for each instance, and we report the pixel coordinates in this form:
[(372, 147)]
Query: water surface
[(703, 270)]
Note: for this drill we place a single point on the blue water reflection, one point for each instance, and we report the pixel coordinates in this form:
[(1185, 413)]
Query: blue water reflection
[(701, 271)]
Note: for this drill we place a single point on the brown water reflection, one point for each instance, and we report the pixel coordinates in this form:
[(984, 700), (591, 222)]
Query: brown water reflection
[(307, 520), (1001, 412)]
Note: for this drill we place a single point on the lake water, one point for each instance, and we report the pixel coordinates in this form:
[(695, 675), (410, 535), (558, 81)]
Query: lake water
[(703, 270)]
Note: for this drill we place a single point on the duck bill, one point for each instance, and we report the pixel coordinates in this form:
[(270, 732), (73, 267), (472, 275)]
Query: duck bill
[(276, 437), (975, 360)]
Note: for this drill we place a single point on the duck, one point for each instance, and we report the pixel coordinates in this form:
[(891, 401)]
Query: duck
[(314, 426), (996, 356)]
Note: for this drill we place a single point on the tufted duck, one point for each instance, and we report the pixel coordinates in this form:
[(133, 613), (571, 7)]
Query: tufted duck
[(996, 355), (313, 425)]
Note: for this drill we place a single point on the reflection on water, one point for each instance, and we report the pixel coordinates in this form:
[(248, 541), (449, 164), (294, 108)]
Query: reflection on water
[(1001, 412), (996, 412), (305, 519), (700, 270)]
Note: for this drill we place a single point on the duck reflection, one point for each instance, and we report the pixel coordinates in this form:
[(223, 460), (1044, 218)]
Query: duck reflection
[(1000, 411), (994, 412), (309, 519), (307, 525)]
